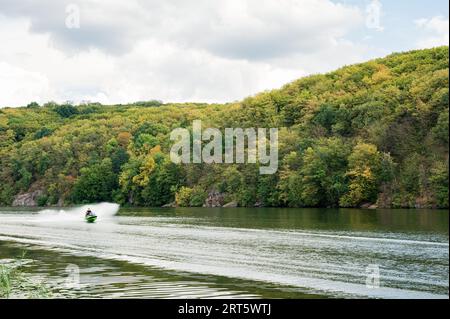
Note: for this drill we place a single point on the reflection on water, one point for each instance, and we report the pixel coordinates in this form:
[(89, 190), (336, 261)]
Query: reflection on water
[(100, 278), (266, 252), (404, 220)]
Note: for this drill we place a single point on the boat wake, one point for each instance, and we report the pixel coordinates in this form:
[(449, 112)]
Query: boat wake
[(102, 210)]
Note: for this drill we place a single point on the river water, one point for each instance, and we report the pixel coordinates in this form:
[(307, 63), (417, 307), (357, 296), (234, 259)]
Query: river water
[(233, 252)]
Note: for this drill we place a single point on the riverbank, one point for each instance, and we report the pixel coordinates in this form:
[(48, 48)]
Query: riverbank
[(16, 284), (232, 204)]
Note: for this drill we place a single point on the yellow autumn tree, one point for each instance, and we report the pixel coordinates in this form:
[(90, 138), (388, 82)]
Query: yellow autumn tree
[(363, 169), (147, 167)]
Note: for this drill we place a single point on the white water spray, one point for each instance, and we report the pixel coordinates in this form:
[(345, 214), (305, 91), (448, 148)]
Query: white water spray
[(102, 210)]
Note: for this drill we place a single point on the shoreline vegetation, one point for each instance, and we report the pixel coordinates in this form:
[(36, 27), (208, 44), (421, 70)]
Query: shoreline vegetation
[(364, 207), (14, 283), (370, 135)]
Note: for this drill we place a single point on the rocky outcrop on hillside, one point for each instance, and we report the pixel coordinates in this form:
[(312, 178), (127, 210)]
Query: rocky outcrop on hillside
[(214, 199), (170, 205), (27, 199)]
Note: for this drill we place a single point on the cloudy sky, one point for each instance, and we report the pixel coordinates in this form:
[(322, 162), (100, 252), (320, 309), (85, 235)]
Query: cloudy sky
[(114, 51)]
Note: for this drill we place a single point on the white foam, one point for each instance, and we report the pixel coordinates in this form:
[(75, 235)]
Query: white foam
[(102, 210)]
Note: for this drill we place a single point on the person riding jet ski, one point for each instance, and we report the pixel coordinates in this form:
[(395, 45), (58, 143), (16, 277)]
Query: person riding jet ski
[(89, 213), (90, 216)]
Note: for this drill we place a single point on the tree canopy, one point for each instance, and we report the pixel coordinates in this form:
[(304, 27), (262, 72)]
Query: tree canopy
[(375, 132)]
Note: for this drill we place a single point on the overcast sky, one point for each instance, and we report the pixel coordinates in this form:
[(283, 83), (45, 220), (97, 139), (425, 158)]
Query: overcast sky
[(114, 51)]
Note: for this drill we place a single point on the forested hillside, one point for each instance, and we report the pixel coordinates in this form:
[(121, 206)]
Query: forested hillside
[(373, 133)]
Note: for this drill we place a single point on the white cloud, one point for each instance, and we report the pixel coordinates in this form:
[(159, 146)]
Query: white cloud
[(212, 51), (172, 74), (434, 32), (233, 28), (19, 87), (262, 29)]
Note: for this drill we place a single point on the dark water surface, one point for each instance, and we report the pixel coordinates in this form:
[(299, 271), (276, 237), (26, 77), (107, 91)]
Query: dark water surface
[(235, 252)]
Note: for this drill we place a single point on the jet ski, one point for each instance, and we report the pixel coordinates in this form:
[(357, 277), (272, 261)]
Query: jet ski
[(91, 218)]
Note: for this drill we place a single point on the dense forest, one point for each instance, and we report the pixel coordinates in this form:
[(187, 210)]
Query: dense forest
[(374, 133)]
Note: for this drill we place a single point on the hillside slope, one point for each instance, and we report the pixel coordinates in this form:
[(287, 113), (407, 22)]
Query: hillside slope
[(375, 132)]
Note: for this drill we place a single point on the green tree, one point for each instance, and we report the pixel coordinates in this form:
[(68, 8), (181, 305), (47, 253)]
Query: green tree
[(323, 178), (96, 183), (439, 183), (65, 110)]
